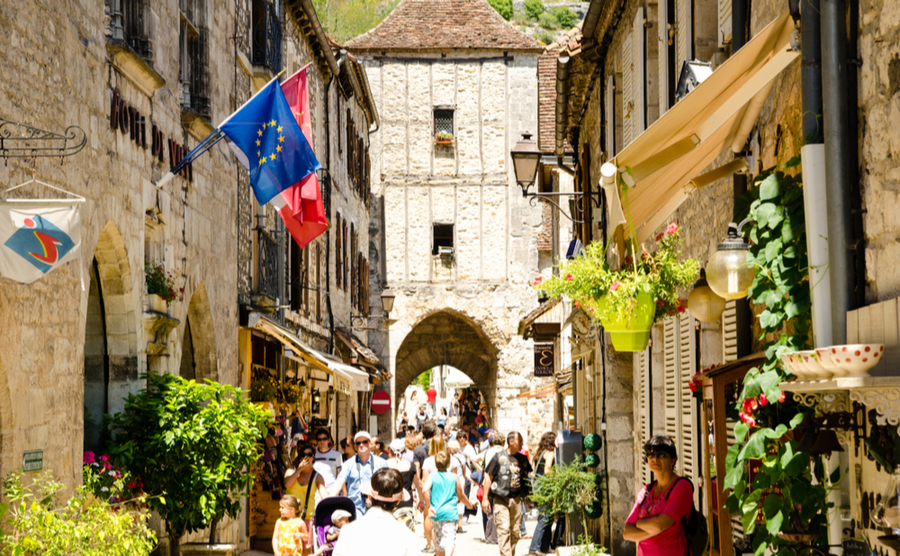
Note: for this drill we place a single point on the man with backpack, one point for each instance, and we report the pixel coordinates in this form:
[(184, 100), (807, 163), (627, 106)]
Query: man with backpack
[(664, 521), (505, 487)]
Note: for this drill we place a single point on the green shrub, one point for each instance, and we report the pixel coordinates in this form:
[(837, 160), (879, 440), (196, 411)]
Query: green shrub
[(534, 9), (36, 522), (566, 17), (543, 36), (503, 7), (548, 21)]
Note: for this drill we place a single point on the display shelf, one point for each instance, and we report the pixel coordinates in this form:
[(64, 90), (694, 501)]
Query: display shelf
[(881, 393)]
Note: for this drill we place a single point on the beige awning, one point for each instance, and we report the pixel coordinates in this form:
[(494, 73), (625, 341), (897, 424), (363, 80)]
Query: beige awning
[(718, 114)]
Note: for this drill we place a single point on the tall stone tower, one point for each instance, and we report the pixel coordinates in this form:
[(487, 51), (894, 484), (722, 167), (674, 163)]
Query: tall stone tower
[(455, 86)]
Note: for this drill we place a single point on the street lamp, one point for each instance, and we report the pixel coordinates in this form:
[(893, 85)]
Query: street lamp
[(728, 272), (387, 300), (525, 156), (705, 304)]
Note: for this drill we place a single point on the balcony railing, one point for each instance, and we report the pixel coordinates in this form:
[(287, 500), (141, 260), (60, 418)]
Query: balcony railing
[(267, 34), (267, 257)]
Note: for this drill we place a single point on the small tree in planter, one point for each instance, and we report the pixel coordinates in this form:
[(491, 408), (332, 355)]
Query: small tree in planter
[(194, 446), (567, 490), (629, 300)]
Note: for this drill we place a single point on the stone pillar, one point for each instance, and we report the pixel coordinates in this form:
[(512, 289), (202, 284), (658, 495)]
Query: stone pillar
[(618, 370)]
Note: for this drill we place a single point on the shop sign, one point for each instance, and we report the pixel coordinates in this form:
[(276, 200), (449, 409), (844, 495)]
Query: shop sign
[(543, 360), (33, 461)]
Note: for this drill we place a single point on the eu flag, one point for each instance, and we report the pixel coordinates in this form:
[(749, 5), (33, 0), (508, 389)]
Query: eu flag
[(266, 138)]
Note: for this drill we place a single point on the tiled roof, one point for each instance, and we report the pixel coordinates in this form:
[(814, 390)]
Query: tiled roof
[(443, 24)]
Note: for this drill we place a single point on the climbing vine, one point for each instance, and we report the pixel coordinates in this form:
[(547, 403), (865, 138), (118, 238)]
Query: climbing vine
[(771, 481)]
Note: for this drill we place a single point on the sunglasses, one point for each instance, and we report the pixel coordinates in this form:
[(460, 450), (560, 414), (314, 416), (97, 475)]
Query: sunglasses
[(309, 454), (322, 439), (362, 443), (656, 455)]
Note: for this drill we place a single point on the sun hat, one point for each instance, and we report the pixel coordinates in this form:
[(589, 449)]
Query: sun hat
[(338, 514), (366, 490)]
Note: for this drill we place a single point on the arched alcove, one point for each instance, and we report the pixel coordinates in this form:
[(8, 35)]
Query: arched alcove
[(198, 345)]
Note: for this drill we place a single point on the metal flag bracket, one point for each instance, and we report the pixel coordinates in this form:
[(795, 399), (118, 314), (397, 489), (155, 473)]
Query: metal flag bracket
[(23, 141)]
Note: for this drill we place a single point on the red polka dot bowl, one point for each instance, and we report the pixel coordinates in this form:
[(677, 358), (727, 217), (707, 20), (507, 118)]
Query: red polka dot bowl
[(793, 364), (856, 359), (824, 358)]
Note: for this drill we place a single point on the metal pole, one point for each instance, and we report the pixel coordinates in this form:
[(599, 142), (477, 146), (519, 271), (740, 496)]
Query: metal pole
[(835, 73)]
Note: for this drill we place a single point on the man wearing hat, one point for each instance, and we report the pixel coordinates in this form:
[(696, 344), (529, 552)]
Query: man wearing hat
[(378, 533), (358, 470)]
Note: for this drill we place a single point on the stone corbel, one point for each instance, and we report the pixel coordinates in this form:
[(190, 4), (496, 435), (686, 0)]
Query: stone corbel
[(195, 124), (133, 67), (157, 327)]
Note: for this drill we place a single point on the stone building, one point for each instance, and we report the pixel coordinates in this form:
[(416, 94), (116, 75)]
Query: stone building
[(626, 85), (455, 86)]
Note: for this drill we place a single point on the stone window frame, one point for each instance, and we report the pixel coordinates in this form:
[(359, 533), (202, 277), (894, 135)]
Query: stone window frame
[(444, 239)]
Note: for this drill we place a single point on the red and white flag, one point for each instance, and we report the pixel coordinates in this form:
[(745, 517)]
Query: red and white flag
[(300, 206)]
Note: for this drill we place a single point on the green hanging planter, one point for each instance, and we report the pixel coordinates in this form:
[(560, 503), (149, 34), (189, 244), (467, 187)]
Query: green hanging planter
[(630, 333), (591, 460), (593, 442)]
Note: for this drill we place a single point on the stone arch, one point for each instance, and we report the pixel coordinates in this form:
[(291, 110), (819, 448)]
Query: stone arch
[(447, 337), (199, 338)]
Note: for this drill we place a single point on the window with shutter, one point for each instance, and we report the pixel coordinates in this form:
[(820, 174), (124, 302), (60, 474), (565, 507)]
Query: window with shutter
[(689, 445), (724, 22), (684, 41), (610, 117), (643, 430), (639, 79), (587, 207), (729, 333), (671, 379), (627, 90), (338, 246)]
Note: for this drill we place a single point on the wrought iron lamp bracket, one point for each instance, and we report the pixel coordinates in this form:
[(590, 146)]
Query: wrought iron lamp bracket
[(23, 141), (594, 197)]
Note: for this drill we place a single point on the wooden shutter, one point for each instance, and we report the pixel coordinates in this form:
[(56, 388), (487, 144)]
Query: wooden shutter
[(610, 117), (643, 428), (318, 283), (671, 379), (729, 333), (338, 246), (665, 80), (638, 43), (684, 41), (588, 208), (627, 89), (689, 443), (724, 22)]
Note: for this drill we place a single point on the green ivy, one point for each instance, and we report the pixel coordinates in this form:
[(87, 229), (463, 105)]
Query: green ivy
[(778, 249)]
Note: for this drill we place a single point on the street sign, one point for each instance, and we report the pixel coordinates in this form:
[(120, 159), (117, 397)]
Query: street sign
[(381, 402), (543, 360), (33, 461)]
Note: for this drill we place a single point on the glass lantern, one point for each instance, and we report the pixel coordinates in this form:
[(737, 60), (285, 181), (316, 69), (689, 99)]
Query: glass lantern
[(728, 273), (705, 304), (887, 512)]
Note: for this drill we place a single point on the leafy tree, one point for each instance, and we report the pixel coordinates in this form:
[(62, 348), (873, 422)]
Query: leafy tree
[(194, 446), (548, 21), (534, 9), (503, 7), (423, 380), (565, 490), (565, 17), (36, 522)]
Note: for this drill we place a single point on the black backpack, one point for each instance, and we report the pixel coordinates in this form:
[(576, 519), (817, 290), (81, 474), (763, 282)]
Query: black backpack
[(694, 524)]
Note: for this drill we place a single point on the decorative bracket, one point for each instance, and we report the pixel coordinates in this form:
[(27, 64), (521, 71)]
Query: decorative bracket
[(881, 393), (23, 141), (885, 402)]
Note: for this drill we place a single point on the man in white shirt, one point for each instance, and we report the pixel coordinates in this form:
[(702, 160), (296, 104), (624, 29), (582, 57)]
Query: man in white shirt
[(378, 533), (328, 460)]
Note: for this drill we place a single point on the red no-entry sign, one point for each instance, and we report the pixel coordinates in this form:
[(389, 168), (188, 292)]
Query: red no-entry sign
[(381, 402)]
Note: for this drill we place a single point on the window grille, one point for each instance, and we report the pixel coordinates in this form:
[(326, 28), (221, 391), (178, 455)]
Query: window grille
[(128, 24), (443, 121), (194, 45), (266, 30)]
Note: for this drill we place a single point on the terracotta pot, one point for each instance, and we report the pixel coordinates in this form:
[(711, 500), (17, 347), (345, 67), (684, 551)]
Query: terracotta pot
[(158, 304)]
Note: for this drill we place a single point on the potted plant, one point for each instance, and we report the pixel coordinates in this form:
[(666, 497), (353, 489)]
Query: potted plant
[(443, 138), (629, 300), (570, 490), (160, 287)]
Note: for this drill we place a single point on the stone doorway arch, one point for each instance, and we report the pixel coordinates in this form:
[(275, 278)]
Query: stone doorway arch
[(447, 337), (198, 346)]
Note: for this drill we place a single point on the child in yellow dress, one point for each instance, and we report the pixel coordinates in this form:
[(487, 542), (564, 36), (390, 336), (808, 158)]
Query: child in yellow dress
[(290, 530)]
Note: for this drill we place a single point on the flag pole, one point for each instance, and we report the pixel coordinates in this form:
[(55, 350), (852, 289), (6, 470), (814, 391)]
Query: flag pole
[(209, 143)]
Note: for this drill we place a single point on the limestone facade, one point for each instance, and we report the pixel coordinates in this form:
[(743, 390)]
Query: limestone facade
[(462, 307)]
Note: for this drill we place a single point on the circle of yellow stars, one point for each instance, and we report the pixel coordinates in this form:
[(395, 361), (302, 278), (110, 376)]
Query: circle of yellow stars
[(271, 125)]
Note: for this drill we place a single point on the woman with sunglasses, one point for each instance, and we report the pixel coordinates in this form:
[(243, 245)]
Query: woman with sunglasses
[(655, 521), (299, 481)]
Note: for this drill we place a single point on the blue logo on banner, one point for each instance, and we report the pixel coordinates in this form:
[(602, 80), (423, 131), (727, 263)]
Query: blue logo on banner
[(40, 242)]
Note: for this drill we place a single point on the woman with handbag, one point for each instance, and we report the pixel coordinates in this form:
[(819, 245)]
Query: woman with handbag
[(299, 481)]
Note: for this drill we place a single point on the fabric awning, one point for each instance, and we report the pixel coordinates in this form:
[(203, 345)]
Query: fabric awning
[(359, 380), (718, 114)]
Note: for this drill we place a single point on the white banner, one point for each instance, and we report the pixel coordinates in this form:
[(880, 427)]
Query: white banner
[(37, 236)]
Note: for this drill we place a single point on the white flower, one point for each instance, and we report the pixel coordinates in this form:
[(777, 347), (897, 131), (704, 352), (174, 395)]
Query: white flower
[(104, 489)]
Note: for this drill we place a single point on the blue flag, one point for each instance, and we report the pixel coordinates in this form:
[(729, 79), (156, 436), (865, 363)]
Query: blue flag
[(266, 138)]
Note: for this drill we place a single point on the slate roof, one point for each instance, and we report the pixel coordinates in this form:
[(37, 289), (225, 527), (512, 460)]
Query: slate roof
[(444, 25)]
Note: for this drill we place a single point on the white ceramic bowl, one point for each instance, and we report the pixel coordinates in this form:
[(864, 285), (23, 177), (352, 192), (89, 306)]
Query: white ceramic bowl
[(857, 359), (792, 364), (824, 358), (811, 362)]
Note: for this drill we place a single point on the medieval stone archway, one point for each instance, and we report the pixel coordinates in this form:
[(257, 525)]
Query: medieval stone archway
[(198, 346), (447, 337)]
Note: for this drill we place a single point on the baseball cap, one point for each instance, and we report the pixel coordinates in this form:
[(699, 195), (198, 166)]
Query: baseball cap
[(362, 434), (398, 445)]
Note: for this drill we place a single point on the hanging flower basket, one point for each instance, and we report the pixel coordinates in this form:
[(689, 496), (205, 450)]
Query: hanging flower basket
[(629, 300)]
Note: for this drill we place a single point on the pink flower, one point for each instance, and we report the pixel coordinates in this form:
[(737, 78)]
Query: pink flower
[(89, 458), (747, 419), (104, 457), (569, 277), (538, 281), (763, 400), (614, 286), (750, 405), (672, 228), (781, 398)]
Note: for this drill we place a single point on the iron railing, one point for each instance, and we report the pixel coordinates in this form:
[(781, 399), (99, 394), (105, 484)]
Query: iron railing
[(267, 35), (195, 71), (268, 253), (128, 24)]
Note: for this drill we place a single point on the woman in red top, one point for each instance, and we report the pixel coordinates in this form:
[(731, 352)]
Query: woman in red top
[(655, 520)]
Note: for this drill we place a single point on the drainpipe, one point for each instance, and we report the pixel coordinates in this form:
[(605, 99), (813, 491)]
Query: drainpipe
[(838, 173), (327, 200)]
